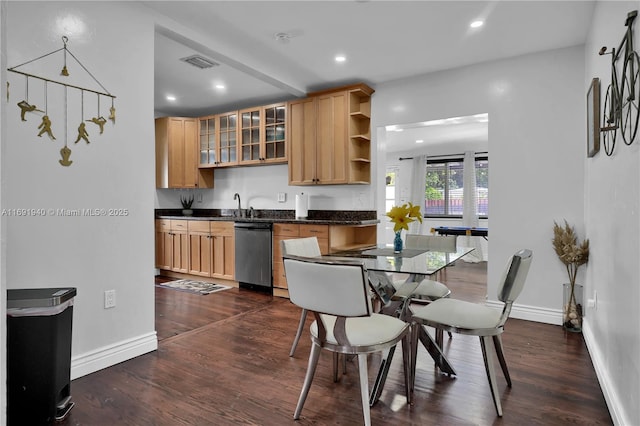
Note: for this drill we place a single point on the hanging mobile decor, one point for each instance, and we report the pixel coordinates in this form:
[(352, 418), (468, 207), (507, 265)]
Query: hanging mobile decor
[(45, 125), (112, 112), (65, 152), (99, 120), (82, 131), (24, 104)]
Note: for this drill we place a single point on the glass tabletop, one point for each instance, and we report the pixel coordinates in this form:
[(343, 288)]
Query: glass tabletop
[(425, 262)]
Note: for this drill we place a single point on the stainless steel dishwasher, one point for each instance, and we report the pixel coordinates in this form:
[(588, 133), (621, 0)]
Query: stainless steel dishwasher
[(253, 255)]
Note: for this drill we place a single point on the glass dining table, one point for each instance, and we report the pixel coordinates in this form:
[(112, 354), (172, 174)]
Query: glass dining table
[(416, 264)]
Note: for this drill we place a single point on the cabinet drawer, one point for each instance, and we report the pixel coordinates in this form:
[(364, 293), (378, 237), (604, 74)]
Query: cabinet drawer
[(320, 231), (163, 225), (179, 225), (199, 226), (286, 229), (222, 228)]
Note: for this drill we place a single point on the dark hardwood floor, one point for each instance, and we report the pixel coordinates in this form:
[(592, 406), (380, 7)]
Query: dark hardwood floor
[(223, 360)]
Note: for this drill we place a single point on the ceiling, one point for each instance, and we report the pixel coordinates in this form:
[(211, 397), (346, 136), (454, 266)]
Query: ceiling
[(382, 41)]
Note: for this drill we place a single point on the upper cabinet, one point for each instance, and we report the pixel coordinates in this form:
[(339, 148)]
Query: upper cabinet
[(330, 137), (228, 145), (262, 135), (250, 136), (177, 154)]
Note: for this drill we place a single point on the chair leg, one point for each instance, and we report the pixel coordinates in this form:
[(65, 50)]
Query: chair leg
[(439, 337), (308, 378), (303, 318), (406, 365), (497, 341), (487, 354), (415, 335), (364, 387), (336, 360)]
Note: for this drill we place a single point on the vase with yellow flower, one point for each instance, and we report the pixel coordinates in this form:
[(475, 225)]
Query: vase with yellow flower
[(572, 254), (402, 216)]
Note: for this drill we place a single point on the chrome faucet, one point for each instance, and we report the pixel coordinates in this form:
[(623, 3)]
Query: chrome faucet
[(236, 196)]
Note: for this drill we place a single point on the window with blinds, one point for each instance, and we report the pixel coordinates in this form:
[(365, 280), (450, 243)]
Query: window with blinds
[(444, 187)]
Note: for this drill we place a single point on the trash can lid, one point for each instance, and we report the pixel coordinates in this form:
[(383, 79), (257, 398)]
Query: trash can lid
[(39, 297)]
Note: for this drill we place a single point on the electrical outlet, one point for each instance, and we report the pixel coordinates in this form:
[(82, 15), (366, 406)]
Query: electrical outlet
[(593, 303), (199, 198), (109, 299), (282, 197)]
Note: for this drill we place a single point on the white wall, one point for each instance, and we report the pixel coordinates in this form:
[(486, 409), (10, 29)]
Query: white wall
[(3, 220), (536, 144), (258, 187), (611, 218), (115, 171)]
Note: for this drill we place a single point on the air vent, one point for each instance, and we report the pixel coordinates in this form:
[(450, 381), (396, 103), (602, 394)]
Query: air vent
[(200, 61)]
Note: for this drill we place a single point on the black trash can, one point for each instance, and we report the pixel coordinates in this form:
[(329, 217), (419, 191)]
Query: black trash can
[(39, 323)]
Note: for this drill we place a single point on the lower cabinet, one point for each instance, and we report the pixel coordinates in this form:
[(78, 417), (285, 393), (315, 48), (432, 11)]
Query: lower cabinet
[(172, 245), (206, 248), (196, 247), (224, 250), (287, 231), (331, 238)]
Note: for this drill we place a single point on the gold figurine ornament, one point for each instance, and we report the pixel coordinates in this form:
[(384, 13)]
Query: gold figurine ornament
[(26, 107), (45, 127), (112, 114), (82, 133), (65, 153), (100, 121)]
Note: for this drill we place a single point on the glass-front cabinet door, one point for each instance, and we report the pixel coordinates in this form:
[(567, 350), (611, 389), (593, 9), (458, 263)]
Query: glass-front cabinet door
[(274, 130), (208, 141), (250, 136), (228, 124)]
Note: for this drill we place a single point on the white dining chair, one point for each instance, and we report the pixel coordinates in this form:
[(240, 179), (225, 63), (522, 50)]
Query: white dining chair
[(477, 320), (306, 247), (338, 295)]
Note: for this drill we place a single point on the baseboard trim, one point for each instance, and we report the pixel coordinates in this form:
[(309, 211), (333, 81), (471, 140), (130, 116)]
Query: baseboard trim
[(107, 356), (531, 313), (616, 408)]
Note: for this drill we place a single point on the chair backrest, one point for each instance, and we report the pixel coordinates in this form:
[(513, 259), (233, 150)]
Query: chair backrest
[(327, 286), (514, 276), (306, 247), (432, 242)]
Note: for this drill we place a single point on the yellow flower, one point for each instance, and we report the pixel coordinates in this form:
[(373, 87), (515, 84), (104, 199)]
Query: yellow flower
[(402, 216)]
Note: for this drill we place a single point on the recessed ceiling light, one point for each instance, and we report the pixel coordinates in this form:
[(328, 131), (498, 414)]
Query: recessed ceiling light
[(476, 24), (171, 98), (340, 58), (419, 141), (219, 86)]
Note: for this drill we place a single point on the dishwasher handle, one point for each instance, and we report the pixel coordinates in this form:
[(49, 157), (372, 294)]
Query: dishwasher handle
[(252, 225)]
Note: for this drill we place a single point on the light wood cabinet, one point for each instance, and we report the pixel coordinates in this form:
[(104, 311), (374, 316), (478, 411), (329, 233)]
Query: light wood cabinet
[(262, 135), (218, 136), (286, 231), (224, 249), (329, 137), (196, 247), (172, 245), (176, 154), (274, 147), (200, 247), (211, 249), (331, 238)]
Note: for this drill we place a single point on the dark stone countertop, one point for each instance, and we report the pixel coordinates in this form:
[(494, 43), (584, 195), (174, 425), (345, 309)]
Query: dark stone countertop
[(315, 217)]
